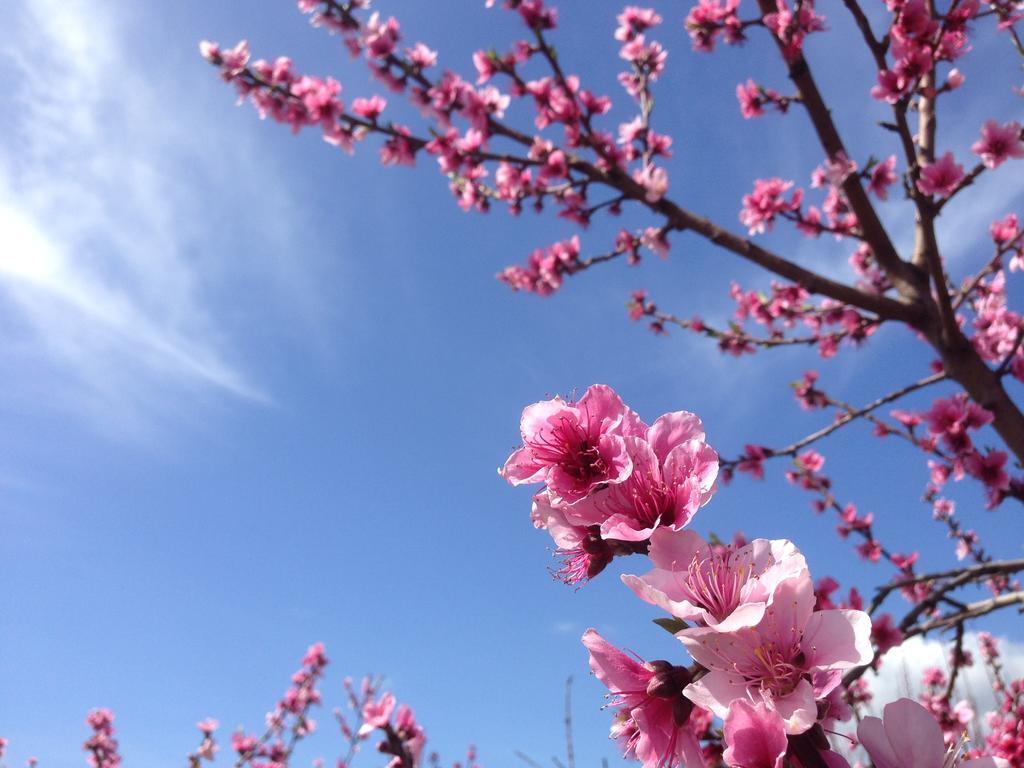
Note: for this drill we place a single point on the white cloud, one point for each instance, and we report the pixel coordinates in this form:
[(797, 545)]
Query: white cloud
[(902, 667), (112, 256)]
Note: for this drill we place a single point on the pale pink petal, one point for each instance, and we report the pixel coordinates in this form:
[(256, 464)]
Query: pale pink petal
[(601, 408), (521, 468), (537, 416), (912, 730), (871, 734), (673, 429), (786, 617), (694, 459), (745, 615), (716, 691), (676, 548), (565, 535), (797, 708), (624, 528), (838, 639), (652, 587)]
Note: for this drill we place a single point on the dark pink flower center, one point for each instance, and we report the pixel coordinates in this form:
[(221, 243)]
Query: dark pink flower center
[(568, 445)]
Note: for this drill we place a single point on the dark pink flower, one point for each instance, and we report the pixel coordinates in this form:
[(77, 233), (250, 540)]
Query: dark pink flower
[(652, 719), (1005, 230), (998, 143), (673, 475), (766, 202), (882, 177), (574, 447), (941, 177)]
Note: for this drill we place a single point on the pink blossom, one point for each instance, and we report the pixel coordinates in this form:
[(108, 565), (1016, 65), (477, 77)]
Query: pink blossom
[(1005, 230), (574, 447), (673, 475), (421, 56), (654, 180), (377, 714), (752, 461), (710, 20), (907, 736), (583, 552), (753, 98), (766, 201), (998, 143), (792, 28), (380, 37), (793, 657), (724, 588), (882, 177), (370, 108), (635, 21), (954, 79), (651, 723), (941, 177), (755, 735)]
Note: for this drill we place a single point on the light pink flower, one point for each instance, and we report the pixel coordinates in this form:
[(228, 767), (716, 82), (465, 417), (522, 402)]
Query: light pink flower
[(652, 721), (654, 180), (907, 736), (573, 447), (998, 143), (673, 475), (792, 658), (941, 177), (377, 714), (724, 588)]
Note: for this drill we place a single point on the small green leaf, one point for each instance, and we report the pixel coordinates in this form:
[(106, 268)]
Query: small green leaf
[(671, 625)]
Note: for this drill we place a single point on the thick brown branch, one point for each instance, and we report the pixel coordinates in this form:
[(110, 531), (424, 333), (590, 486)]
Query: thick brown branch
[(907, 280)]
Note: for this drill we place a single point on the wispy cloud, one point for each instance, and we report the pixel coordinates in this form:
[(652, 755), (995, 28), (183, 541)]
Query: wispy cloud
[(109, 255)]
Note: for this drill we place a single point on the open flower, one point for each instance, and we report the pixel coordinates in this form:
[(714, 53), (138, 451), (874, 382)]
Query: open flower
[(792, 658), (574, 447), (652, 722), (724, 588), (907, 736), (673, 475)]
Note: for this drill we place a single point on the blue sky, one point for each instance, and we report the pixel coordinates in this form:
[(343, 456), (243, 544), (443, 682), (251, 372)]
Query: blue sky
[(255, 391)]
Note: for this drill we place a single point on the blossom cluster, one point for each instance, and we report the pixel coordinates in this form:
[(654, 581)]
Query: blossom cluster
[(771, 649), (102, 746), (764, 652), (610, 480)]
